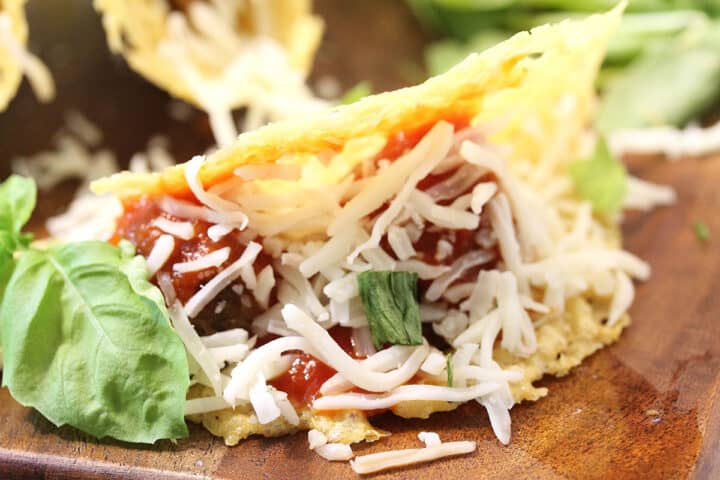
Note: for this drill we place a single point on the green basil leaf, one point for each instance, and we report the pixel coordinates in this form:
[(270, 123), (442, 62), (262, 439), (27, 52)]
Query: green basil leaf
[(17, 201), (450, 370), (600, 179), (135, 268), (85, 349), (443, 55), (7, 265), (670, 83), (361, 90), (391, 306)]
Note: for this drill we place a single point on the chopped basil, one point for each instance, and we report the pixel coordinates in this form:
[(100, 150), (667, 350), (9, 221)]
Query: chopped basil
[(702, 232), (600, 179), (450, 369), (391, 306), (86, 338)]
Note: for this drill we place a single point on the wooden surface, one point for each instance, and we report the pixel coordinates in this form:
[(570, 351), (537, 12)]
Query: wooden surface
[(594, 423)]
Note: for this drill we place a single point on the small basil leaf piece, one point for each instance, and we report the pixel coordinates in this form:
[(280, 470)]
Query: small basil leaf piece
[(702, 232), (450, 369), (600, 179), (84, 349), (360, 90), (391, 307), (17, 201)]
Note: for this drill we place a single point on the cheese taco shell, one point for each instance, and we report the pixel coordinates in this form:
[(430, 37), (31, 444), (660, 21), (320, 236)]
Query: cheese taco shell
[(10, 71), (140, 30), (534, 92)]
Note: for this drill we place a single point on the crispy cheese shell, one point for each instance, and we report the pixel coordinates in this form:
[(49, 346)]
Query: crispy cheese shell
[(135, 29), (528, 78), (10, 72), (236, 424)]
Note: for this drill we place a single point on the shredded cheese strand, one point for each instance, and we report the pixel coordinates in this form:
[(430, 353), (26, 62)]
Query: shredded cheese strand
[(351, 369), (376, 462)]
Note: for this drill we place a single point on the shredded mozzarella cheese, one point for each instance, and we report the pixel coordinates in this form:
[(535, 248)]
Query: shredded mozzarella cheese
[(195, 406), (381, 188), (212, 201), (349, 368), (482, 192), (195, 346), (469, 260), (430, 439), (316, 439), (673, 142), (263, 401), (377, 462), (439, 140), (182, 230), (335, 452), (160, 253), (211, 260), (642, 195), (225, 338), (434, 364), (400, 242), (217, 232), (220, 281), (266, 360), (404, 393), (446, 217)]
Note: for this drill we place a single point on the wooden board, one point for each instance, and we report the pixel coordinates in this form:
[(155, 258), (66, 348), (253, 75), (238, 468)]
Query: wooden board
[(595, 422)]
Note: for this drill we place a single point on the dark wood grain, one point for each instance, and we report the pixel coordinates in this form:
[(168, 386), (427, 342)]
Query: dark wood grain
[(594, 423)]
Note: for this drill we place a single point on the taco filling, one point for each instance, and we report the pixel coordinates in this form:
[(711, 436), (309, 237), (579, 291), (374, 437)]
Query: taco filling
[(489, 262)]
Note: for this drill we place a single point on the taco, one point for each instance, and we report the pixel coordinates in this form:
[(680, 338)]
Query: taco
[(219, 54), (409, 252), (15, 59)]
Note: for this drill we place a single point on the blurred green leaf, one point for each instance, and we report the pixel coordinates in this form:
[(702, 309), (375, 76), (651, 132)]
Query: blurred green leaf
[(361, 90), (477, 4), (441, 56), (600, 179), (669, 84), (638, 31), (662, 66)]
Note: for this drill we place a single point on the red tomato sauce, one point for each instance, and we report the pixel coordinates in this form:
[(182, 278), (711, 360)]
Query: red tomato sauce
[(303, 380), (136, 226), (400, 142)]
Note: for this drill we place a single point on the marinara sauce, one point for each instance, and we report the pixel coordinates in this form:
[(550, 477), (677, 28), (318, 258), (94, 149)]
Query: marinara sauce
[(136, 225), (306, 375)]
